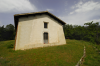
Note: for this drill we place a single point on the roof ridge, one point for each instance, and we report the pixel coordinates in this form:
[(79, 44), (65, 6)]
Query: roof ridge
[(16, 16), (29, 13)]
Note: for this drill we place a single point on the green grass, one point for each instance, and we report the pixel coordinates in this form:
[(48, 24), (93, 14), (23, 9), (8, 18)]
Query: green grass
[(64, 55), (92, 55)]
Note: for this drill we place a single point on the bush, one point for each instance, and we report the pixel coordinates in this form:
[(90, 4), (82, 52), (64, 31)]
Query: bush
[(97, 41)]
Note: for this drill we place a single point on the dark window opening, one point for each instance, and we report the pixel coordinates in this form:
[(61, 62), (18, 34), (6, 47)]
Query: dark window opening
[(45, 38), (45, 25)]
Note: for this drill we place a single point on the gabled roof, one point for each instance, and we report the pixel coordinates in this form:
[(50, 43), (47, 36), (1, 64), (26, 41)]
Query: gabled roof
[(17, 16)]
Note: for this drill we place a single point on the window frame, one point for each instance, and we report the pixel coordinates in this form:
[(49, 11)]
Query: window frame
[(46, 25)]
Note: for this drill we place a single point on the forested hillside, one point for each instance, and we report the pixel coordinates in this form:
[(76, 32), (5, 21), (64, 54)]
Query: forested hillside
[(7, 33), (89, 32)]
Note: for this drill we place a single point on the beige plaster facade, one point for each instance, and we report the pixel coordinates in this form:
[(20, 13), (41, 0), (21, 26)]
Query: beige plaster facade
[(30, 32)]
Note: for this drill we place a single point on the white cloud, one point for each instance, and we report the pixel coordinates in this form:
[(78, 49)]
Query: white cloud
[(16, 6), (72, 7), (85, 7), (83, 12), (94, 20), (75, 19), (77, 5), (81, 18), (71, 12), (49, 9)]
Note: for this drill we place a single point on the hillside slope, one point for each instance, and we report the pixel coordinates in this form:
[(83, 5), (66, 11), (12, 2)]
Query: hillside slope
[(64, 55)]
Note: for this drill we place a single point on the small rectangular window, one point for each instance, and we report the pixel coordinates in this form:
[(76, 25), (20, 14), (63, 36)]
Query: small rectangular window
[(45, 25), (45, 35)]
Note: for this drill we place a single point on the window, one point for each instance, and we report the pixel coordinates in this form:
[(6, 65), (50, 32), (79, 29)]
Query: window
[(45, 35), (45, 25)]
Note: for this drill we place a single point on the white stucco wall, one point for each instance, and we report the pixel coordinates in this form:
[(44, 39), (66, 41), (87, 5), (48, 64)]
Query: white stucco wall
[(30, 32)]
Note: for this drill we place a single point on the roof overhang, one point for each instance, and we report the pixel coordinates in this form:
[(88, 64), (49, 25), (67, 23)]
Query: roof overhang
[(17, 16)]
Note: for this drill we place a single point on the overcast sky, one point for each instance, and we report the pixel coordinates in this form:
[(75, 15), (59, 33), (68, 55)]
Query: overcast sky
[(75, 12)]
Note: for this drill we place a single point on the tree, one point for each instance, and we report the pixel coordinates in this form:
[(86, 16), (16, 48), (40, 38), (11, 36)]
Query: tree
[(10, 31), (91, 32), (93, 29), (7, 33)]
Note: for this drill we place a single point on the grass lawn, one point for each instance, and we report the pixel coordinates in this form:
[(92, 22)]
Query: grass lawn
[(92, 55), (64, 55)]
